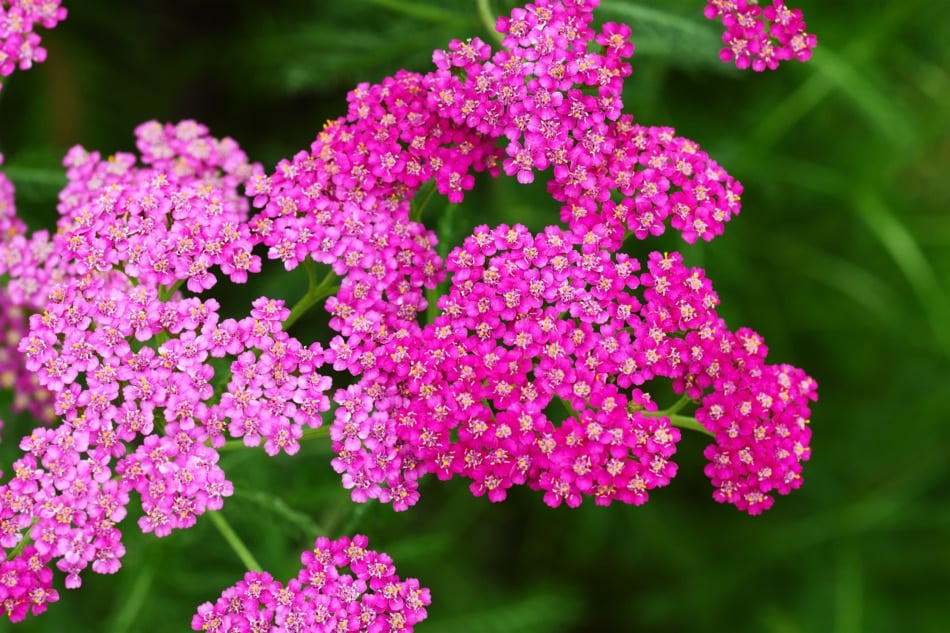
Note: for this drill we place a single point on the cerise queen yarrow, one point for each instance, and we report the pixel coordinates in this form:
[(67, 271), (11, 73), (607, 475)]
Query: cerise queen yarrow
[(531, 372)]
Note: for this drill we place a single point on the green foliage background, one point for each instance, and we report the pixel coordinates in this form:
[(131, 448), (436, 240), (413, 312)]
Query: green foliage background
[(840, 259)]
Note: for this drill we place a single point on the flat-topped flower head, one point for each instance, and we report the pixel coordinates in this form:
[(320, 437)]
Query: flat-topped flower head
[(662, 180), (534, 326), (531, 324), (128, 361), (173, 219), (760, 417), (342, 586), (554, 93), (141, 418)]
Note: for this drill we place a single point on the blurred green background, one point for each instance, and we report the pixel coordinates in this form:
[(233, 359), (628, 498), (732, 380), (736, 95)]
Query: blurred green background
[(840, 259)]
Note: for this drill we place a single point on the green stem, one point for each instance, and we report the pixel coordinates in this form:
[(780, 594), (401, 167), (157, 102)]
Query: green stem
[(26, 540), (315, 293), (311, 267), (280, 508), (164, 294), (415, 213), (432, 304), (133, 603), (235, 542), (681, 421), (688, 422), (673, 410), (488, 19), (421, 201)]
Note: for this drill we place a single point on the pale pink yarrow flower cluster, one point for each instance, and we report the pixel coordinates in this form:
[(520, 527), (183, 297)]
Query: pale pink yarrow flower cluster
[(129, 361), (761, 38), (169, 222), (10, 224), (342, 586), (19, 43)]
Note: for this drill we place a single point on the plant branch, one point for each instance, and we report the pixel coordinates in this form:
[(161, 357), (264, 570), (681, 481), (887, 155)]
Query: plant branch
[(488, 19), (415, 213), (235, 542), (315, 292), (689, 422)]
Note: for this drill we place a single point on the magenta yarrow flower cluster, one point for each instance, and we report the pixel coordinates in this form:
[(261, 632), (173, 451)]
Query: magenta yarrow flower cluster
[(538, 326), (617, 179), (761, 38), (534, 98), (19, 43), (323, 597), (534, 368), (528, 321), (553, 95)]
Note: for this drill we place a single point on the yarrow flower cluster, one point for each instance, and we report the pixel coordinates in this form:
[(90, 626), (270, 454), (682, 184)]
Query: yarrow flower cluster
[(761, 38), (528, 321), (405, 415), (534, 368), (19, 44), (553, 95), (129, 361), (371, 598), (536, 326)]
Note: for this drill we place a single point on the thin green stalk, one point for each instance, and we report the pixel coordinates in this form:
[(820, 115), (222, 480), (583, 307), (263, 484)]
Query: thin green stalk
[(488, 19), (26, 540), (415, 213), (164, 294), (280, 508), (132, 605), (235, 542), (358, 512), (432, 304), (315, 293), (673, 410), (311, 267), (681, 421), (690, 423), (344, 516)]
